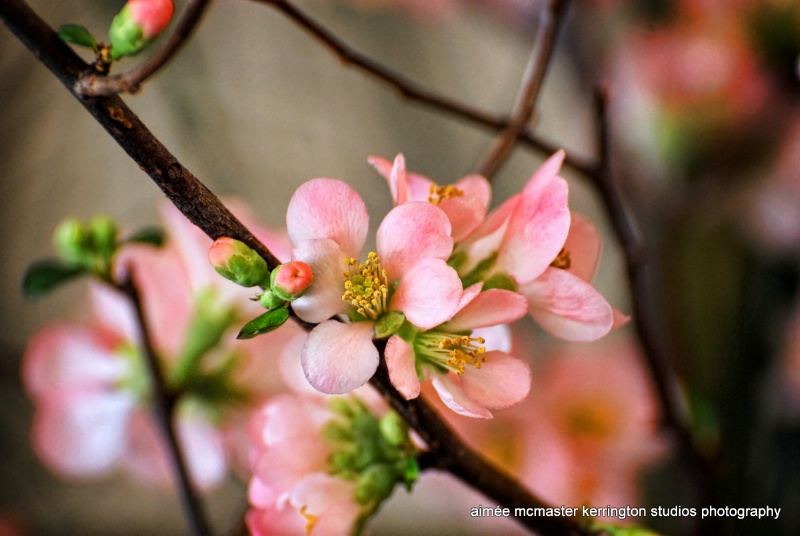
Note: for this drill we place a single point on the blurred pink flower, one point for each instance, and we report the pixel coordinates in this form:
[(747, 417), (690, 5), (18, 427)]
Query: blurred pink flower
[(291, 490), (328, 223), (91, 388), (468, 378)]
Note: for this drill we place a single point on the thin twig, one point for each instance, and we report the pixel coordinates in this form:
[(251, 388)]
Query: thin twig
[(674, 415), (412, 90), (204, 209), (164, 410), (94, 84), (550, 22)]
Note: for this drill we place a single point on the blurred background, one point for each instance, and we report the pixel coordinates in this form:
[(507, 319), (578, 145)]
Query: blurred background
[(705, 117)]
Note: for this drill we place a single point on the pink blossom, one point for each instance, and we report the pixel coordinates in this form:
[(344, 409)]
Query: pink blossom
[(327, 222), (562, 299), (152, 15), (91, 388), (469, 378), (465, 202)]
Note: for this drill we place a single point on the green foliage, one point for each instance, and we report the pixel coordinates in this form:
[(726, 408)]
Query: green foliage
[(77, 35), (46, 275), (153, 236), (269, 321)]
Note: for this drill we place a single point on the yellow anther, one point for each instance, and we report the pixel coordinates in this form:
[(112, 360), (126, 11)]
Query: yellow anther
[(455, 352), (367, 286), (562, 260), (437, 193), (311, 519)]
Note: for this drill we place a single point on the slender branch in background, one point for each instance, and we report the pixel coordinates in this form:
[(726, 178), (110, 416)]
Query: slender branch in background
[(673, 408), (413, 91), (95, 85), (206, 211), (550, 22), (164, 410)]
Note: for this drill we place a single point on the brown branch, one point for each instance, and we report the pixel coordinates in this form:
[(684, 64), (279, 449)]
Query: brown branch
[(674, 415), (550, 22), (163, 409), (206, 211), (93, 84), (413, 91)]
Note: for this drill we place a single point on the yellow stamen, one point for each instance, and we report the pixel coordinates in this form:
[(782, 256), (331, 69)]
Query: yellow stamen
[(440, 193), (455, 351), (366, 288), (562, 260), (311, 520)]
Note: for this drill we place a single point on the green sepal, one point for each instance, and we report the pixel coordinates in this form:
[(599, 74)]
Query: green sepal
[(45, 275), (269, 321), (153, 236), (411, 472), (125, 35), (457, 260), (77, 35), (501, 281), (393, 429), (388, 324), (479, 271)]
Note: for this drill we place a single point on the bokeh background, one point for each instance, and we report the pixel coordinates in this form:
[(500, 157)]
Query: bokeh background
[(706, 123)]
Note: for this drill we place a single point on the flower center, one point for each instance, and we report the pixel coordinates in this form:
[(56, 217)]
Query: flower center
[(453, 352), (437, 193), (366, 287), (562, 260)]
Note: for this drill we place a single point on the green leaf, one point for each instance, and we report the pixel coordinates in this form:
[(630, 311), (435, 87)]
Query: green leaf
[(45, 275), (77, 35), (148, 235), (265, 323)]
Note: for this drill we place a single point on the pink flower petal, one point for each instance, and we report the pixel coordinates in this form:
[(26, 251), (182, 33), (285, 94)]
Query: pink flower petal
[(501, 382), (82, 433), (546, 171), (324, 297), (331, 500), (287, 462), (204, 450), (328, 208), (410, 232), (275, 521), (428, 294), (469, 294), (61, 356), (468, 211), (490, 308), (583, 244), (454, 398), (339, 357), (567, 306), (536, 230), (400, 361)]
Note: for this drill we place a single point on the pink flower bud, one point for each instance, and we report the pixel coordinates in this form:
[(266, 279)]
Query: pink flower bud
[(152, 15), (234, 260), (289, 281), (135, 26)]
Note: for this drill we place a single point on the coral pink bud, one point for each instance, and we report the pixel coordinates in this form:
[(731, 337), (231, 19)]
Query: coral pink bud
[(152, 15), (289, 281), (137, 24)]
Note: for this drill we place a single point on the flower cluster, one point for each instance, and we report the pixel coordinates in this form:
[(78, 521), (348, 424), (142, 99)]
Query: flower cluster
[(442, 270)]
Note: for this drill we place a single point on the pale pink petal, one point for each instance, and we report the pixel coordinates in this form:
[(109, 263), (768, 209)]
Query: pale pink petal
[(400, 361), (496, 337), (620, 319), (467, 212), (469, 294), (486, 239), (324, 297), (410, 232), (331, 499), (61, 356), (583, 245), (501, 382), (339, 357), (567, 306), (490, 308), (275, 521), (146, 457), (192, 244), (286, 417), (82, 433), (536, 230), (204, 450), (113, 318), (546, 171), (260, 494), (428, 294), (395, 175), (328, 208), (287, 462), (454, 398)]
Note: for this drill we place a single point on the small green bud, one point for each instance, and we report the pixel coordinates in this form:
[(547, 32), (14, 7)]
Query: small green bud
[(72, 241), (236, 261), (393, 429)]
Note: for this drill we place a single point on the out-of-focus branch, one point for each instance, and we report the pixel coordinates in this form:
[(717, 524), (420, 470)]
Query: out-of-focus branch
[(93, 84), (550, 22), (163, 407), (206, 211), (412, 90), (673, 408)]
